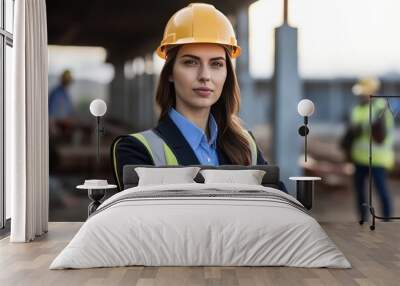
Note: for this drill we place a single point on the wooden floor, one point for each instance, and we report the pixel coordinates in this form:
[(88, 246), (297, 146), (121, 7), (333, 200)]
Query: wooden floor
[(375, 257)]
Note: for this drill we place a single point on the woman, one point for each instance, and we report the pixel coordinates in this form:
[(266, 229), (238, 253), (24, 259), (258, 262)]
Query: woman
[(199, 98)]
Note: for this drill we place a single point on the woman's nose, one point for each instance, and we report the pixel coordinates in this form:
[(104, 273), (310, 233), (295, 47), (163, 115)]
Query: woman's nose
[(204, 73)]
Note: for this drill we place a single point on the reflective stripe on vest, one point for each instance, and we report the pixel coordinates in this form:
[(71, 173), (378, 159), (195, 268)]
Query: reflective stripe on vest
[(160, 152), (162, 155), (253, 148), (115, 163)]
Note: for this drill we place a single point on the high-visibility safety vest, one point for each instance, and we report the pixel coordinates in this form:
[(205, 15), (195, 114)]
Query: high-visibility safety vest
[(382, 154), (162, 154)]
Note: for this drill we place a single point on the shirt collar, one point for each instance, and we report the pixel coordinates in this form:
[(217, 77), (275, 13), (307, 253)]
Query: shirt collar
[(193, 134)]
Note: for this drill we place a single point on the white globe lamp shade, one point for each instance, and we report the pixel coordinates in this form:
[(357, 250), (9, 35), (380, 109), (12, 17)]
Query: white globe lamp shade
[(305, 107), (98, 107)]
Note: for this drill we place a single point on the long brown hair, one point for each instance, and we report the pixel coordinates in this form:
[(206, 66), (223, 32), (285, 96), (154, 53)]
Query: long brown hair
[(231, 135)]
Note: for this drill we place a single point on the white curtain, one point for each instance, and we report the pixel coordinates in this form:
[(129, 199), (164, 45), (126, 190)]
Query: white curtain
[(27, 124)]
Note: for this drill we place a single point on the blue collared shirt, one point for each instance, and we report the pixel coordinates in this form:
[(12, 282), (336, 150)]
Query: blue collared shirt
[(205, 150)]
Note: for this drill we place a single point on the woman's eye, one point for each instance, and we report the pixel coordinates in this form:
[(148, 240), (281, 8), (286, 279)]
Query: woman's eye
[(190, 62), (217, 64)]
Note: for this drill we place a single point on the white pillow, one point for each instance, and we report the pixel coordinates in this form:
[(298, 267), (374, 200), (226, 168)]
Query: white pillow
[(248, 177), (163, 176)]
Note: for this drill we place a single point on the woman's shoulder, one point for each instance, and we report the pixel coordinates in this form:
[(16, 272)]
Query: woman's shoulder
[(129, 141), (260, 155), (128, 150)]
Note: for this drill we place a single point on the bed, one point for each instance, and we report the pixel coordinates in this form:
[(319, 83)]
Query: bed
[(201, 224)]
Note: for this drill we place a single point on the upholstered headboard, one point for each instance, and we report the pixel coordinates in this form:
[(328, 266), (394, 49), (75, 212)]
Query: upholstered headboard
[(270, 179)]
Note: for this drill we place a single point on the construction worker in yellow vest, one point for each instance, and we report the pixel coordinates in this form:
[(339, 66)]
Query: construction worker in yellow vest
[(382, 145)]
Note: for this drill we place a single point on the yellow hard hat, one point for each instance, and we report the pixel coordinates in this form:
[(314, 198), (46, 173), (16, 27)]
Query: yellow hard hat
[(366, 86), (199, 23)]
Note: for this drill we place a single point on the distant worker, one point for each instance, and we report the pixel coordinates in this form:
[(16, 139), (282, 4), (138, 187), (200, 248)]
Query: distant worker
[(60, 104), (61, 116), (382, 145)]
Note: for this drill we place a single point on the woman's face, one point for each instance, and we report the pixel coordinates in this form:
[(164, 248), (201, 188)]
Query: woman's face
[(199, 74)]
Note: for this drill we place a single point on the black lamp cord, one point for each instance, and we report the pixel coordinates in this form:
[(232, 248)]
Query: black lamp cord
[(99, 130), (305, 137), (98, 139)]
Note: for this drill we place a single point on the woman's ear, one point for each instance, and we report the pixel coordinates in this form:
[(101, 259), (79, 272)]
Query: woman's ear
[(170, 78)]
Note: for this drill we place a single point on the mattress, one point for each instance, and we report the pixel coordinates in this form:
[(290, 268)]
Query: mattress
[(201, 225)]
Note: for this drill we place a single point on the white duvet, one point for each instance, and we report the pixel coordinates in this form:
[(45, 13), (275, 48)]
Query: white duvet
[(206, 230)]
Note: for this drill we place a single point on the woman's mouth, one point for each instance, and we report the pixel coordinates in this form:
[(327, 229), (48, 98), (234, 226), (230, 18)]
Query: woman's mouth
[(203, 91)]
